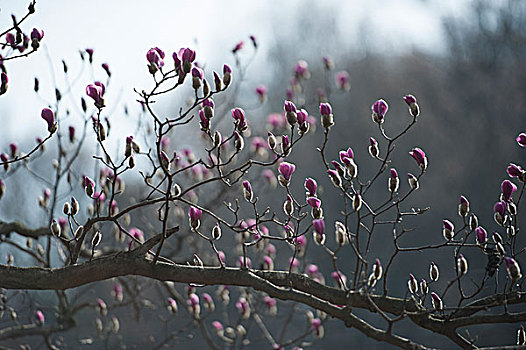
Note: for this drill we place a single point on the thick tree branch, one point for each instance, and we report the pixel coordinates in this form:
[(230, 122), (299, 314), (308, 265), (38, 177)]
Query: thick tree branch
[(6, 228)]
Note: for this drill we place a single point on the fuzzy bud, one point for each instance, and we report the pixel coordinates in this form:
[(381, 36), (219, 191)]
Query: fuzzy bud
[(55, 228), (437, 302), (216, 232), (413, 181), (433, 272), (341, 233), (462, 265), (412, 284)]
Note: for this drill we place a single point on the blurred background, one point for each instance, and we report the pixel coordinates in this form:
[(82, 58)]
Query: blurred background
[(464, 61)]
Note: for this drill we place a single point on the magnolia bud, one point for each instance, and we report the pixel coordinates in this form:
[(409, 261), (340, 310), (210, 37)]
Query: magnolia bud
[(79, 231), (97, 237), (74, 206), (496, 237), (377, 269), (463, 207), (412, 284), (341, 233), (357, 202), (448, 230), (247, 191), (206, 87), (394, 181), (67, 208), (374, 151), (437, 302), (336, 179), (433, 272), (462, 265), (216, 232), (473, 221), (521, 336), (371, 281), (513, 267), (55, 228), (413, 181), (319, 239), (177, 190), (271, 139), (217, 139), (131, 162), (423, 286), (239, 142)]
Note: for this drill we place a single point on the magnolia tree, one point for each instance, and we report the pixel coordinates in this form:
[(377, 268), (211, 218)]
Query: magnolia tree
[(230, 243)]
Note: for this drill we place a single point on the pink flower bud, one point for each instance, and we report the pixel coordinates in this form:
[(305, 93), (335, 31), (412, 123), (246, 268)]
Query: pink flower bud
[(286, 169), (413, 106), (248, 191), (463, 207), (325, 109), (195, 217), (106, 68), (328, 62), (508, 188), (155, 57), (500, 212), (239, 116), (301, 69), (481, 234), (217, 326), (311, 186), (342, 80), (448, 230), (379, 109), (314, 202), (515, 170), (420, 157), (48, 115), (394, 181), (335, 177), (243, 307), (319, 226), (238, 47), (13, 148), (96, 92), (437, 302), (513, 267), (36, 34), (71, 130), (521, 139), (39, 318), (261, 91), (268, 263)]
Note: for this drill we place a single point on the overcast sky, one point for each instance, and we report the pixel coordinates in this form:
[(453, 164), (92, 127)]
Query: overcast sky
[(122, 31)]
